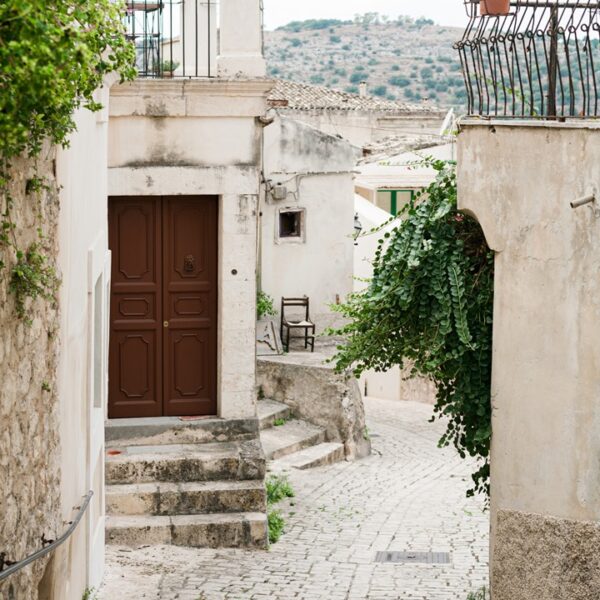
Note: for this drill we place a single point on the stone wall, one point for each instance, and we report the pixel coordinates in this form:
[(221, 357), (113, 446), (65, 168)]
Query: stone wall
[(29, 438), (321, 396)]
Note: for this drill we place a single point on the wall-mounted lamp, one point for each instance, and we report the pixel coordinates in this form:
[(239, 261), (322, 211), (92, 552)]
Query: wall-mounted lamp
[(357, 229)]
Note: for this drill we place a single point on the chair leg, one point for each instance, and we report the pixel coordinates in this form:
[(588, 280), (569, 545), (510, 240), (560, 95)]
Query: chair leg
[(305, 339), (288, 340)]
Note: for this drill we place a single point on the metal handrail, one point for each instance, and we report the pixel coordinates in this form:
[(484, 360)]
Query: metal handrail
[(14, 567)]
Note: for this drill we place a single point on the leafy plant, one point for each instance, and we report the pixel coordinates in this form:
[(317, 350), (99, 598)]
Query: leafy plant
[(90, 594), (169, 66), (481, 594), (53, 58), (264, 305), (279, 422), (429, 306), (276, 524), (278, 488)]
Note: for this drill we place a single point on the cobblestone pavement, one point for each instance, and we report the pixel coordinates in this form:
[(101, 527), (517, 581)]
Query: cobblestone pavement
[(409, 495)]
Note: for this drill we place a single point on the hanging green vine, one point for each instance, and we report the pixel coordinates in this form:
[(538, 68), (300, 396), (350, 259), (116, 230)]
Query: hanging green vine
[(430, 305), (54, 55)]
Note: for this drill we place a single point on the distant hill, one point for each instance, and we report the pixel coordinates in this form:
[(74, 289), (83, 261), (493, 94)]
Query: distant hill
[(400, 60)]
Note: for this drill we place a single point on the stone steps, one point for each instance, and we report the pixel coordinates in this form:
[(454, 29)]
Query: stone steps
[(232, 530), (295, 444), (270, 411), (315, 456), (178, 430), (162, 499), (295, 435), (185, 463)]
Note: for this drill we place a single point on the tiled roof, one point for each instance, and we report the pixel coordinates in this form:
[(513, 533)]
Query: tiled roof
[(301, 96), (398, 144)]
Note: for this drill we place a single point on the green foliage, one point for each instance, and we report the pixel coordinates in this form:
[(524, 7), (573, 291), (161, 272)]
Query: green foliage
[(311, 25), (32, 277), (399, 81), (169, 66), (430, 305), (276, 524), (278, 488), (264, 305), (53, 58), (90, 594), (380, 90), (481, 594), (279, 422)]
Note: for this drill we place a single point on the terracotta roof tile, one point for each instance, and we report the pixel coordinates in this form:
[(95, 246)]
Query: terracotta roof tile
[(301, 96)]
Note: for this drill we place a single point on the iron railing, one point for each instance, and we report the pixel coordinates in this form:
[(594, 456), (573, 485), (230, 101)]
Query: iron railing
[(8, 567), (173, 38), (541, 60)]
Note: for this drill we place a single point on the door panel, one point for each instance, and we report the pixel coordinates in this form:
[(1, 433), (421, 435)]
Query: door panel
[(163, 306), (135, 385), (190, 305)]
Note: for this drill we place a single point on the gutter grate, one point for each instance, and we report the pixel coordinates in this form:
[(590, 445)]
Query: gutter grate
[(429, 558)]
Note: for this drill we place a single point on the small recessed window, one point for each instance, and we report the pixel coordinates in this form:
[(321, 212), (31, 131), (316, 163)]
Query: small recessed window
[(291, 224)]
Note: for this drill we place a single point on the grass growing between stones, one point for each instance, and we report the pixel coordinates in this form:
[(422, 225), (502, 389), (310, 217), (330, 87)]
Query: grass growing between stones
[(278, 488), (482, 594)]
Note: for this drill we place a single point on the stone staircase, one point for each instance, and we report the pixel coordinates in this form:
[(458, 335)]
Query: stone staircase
[(293, 443), (197, 483)]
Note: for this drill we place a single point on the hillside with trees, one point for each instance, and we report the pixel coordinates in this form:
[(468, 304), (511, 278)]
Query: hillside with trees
[(403, 59)]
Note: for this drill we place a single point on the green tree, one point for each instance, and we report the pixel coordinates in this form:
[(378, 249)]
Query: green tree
[(429, 306), (54, 55)]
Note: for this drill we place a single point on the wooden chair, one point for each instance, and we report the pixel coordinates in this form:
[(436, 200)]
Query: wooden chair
[(294, 323)]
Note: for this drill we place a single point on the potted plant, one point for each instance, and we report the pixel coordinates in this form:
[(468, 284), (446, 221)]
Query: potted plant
[(494, 7), (168, 67)]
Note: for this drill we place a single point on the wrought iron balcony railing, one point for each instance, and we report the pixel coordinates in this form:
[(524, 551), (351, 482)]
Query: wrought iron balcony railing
[(539, 60), (174, 38)]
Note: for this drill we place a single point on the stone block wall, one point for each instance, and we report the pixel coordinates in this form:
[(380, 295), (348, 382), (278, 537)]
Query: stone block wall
[(320, 395), (29, 438)]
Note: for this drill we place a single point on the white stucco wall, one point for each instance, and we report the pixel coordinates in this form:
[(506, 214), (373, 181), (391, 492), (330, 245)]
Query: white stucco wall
[(83, 247), (317, 171), (518, 180), (362, 128)]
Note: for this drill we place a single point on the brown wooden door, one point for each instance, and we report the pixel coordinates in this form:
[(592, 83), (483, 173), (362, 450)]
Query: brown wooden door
[(163, 347)]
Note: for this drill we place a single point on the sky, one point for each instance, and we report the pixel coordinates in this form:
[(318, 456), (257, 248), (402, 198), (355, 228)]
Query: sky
[(443, 12)]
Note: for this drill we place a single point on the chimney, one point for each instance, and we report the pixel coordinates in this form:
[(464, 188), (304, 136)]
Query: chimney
[(362, 89)]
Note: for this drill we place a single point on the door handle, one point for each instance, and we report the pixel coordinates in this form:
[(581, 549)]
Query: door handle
[(166, 324)]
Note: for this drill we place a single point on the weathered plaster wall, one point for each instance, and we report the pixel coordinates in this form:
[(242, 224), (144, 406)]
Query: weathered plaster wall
[(29, 427), (317, 170), (361, 128), (202, 138), (321, 396), (519, 180)]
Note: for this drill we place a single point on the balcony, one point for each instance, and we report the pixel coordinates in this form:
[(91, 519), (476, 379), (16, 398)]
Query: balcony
[(541, 60), (196, 38)]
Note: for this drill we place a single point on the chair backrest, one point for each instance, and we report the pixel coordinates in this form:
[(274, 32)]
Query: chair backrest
[(303, 302)]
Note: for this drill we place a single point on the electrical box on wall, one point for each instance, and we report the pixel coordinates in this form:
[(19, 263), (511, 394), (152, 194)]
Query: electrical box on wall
[(279, 192)]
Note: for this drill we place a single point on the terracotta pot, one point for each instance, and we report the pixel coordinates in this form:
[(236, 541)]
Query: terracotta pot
[(494, 7)]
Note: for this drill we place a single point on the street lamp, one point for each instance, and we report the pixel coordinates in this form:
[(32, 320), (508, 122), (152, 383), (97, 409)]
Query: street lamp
[(357, 229)]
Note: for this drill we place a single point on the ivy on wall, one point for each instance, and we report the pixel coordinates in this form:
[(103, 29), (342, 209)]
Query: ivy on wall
[(54, 55), (430, 305)]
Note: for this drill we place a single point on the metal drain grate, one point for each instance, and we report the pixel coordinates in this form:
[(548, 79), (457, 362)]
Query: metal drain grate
[(429, 558)]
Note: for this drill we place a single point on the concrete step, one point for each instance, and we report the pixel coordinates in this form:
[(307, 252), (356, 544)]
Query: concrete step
[(269, 411), (191, 498), (178, 430), (293, 436), (185, 462), (232, 530), (315, 456)]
